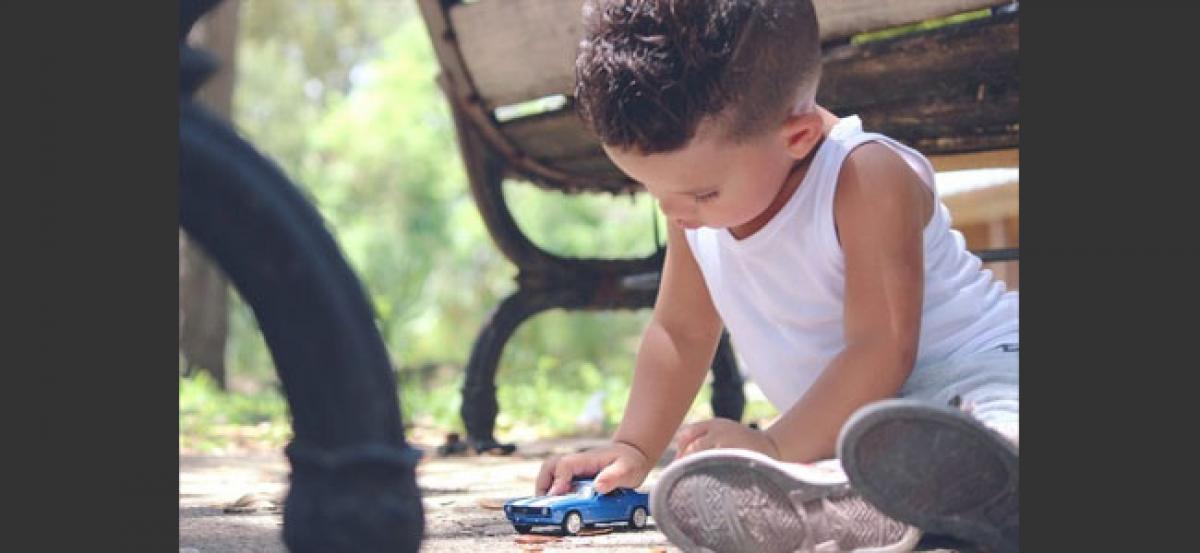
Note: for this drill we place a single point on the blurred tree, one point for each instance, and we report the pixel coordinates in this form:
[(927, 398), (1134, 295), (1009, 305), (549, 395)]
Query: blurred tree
[(203, 296), (342, 95)]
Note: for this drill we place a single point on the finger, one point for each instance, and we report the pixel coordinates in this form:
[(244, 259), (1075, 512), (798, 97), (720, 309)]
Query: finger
[(682, 451), (699, 444), (690, 432), (687, 438), (545, 476), (563, 472), (614, 476)]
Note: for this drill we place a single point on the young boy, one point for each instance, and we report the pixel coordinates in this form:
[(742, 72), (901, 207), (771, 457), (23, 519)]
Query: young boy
[(825, 252)]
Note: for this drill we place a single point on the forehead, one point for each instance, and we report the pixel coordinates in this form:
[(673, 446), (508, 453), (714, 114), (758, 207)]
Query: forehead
[(698, 165)]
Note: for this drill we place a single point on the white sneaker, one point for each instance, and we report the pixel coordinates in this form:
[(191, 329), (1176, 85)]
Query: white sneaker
[(735, 500), (937, 468)]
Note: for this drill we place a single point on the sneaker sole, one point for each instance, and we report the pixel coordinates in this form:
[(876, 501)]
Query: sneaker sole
[(937, 469), (732, 500)]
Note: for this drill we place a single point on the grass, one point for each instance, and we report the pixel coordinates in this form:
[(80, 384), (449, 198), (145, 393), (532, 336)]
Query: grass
[(214, 422), (542, 403)]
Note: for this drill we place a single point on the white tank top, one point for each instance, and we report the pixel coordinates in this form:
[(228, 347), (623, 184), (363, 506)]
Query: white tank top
[(780, 290)]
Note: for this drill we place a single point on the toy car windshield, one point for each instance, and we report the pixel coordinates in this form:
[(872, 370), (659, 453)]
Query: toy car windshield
[(582, 489)]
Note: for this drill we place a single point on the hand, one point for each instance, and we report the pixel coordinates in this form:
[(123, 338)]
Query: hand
[(616, 465), (722, 433)]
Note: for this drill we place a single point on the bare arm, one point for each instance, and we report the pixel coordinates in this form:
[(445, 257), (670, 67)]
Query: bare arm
[(880, 207), (676, 351)]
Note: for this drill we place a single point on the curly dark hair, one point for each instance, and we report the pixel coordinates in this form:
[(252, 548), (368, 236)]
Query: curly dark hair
[(649, 71)]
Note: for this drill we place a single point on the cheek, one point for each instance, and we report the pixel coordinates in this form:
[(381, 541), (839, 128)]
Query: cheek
[(764, 187), (670, 207), (731, 211), (764, 195), (752, 200)]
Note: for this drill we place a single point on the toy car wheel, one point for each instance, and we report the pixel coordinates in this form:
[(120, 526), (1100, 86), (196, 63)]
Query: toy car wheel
[(638, 518), (522, 528), (572, 523)]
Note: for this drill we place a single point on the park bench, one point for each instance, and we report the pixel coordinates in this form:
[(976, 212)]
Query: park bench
[(507, 71)]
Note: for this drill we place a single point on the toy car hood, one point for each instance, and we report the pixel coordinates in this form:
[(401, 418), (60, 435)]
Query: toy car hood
[(544, 501), (555, 500)]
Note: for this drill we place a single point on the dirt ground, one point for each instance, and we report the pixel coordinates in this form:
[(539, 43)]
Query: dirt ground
[(461, 497)]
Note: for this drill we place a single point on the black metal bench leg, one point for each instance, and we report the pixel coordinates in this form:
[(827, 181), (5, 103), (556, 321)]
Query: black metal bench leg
[(479, 405), (353, 486), (728, 397)]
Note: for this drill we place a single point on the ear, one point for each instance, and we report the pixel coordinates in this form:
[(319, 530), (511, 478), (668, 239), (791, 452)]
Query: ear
[(801, 132)]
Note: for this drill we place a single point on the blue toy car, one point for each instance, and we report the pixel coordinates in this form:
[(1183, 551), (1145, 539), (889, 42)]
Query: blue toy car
[(581, 507)]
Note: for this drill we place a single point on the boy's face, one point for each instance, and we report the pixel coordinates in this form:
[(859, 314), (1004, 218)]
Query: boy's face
[(711, 182)]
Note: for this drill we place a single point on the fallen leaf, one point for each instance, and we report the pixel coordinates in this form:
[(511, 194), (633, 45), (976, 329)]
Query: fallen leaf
[(251, 503), (535, 539), (493, 503), (595, 531)]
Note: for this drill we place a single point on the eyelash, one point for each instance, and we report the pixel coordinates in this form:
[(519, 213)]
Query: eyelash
[(707, 196)]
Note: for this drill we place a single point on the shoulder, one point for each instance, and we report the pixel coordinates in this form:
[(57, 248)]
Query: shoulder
[(877, 168), (875, 180)]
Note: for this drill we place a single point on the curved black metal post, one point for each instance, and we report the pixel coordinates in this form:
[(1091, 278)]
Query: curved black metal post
[(728, 397), (353, 485), (480, 407), (479, 404)]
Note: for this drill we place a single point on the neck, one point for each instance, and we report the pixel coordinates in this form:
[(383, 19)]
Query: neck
[(791, 182)]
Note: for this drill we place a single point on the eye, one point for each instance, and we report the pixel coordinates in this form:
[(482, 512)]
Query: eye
[(706, 196)]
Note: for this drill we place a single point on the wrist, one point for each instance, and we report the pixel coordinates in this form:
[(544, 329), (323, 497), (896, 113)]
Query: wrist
[(641, 452)]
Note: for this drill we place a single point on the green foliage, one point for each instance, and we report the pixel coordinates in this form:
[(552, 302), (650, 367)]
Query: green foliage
[(586, 225), (209, 419), (558, 359), (342, 95), (758, 410)]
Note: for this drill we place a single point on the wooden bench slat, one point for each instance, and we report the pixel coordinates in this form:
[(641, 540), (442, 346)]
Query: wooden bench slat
[(944, 61), (519, 50), (954, 89), (951, 90), (552, 136), (598, 166), (977, 160), (985, 205), (844, 18)]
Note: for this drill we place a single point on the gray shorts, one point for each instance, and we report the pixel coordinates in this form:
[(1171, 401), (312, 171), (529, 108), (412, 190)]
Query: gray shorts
[(987, 385)]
